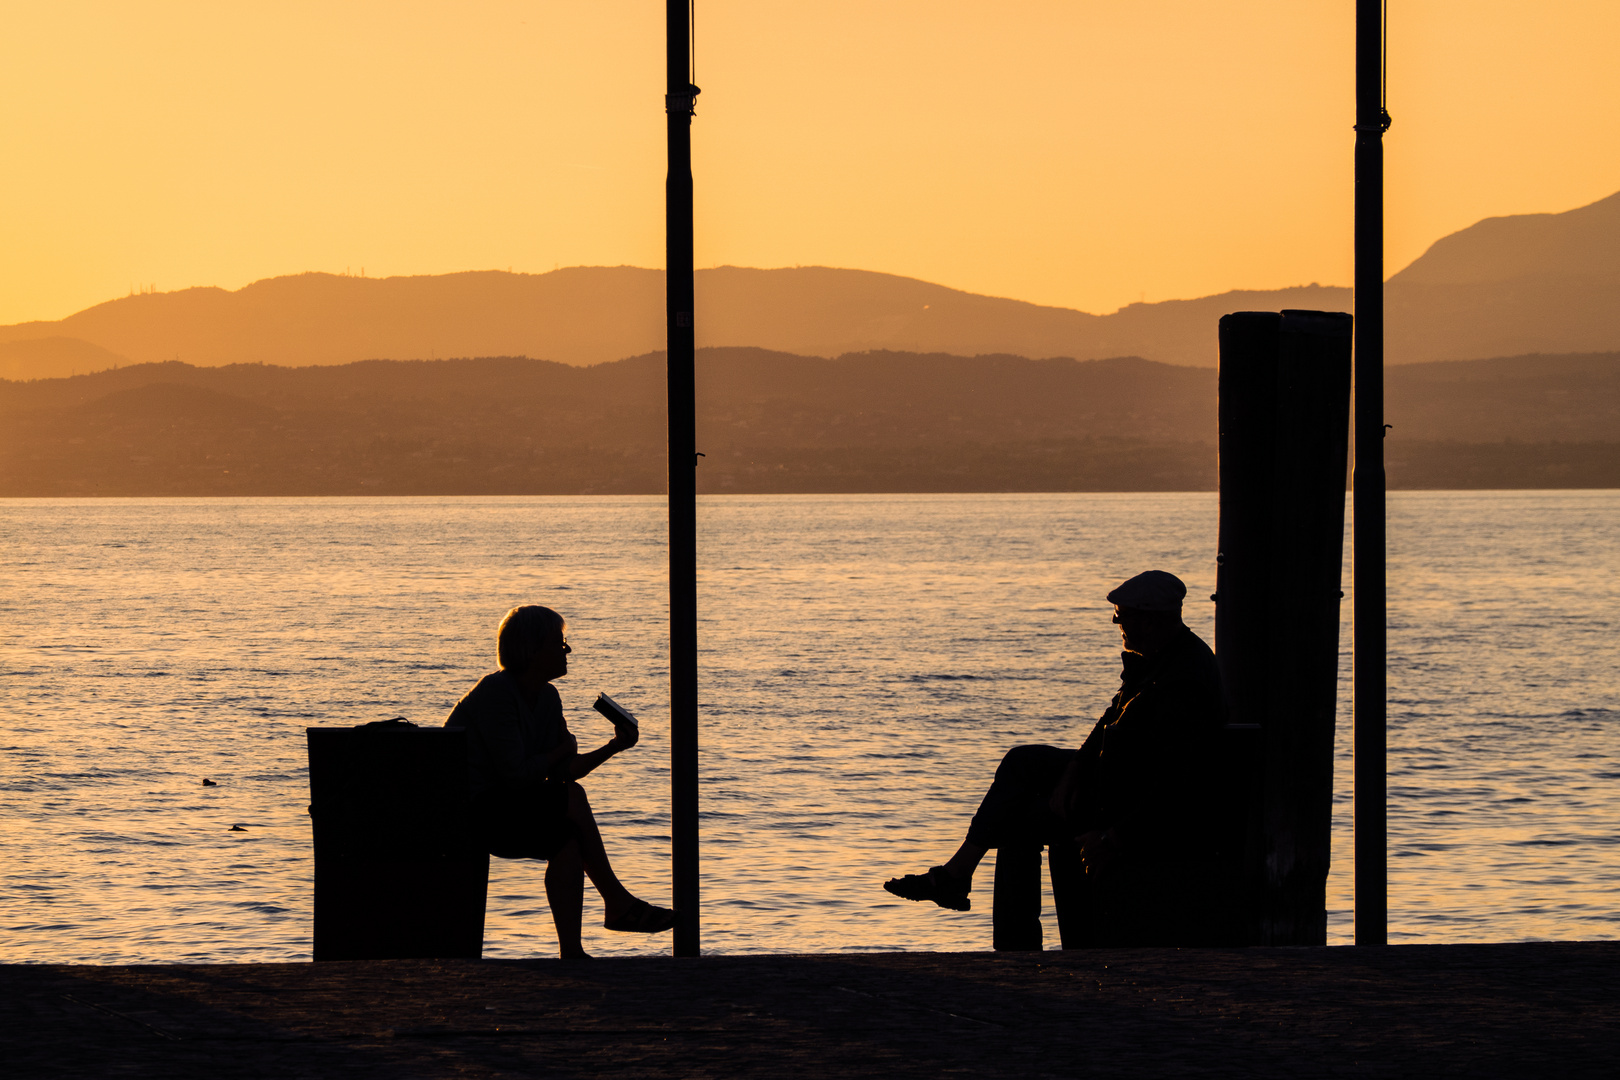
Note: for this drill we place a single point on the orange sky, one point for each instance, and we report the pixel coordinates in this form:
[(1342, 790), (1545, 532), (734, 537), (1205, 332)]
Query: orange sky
[(1070, 152)]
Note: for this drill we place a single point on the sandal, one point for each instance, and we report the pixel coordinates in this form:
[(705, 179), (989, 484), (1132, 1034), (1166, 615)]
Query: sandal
[(642, 918), (936, 885)]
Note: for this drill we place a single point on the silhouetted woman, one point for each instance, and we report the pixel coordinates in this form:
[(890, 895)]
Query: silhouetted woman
[(524, 767)]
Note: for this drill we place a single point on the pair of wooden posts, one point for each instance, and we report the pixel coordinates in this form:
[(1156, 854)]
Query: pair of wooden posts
[(397, 873), (1284, 433)]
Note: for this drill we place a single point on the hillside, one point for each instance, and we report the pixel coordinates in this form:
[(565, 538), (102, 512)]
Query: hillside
[(592, 315), (767, 422), (1531, 283), (1535, 398), (54, 358), (1576, 243)]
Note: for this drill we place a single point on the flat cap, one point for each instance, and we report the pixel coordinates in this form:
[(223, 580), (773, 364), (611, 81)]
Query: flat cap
[(1153, 590)]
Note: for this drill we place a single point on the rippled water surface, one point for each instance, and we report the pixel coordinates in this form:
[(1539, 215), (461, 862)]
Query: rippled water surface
[(866, 661)]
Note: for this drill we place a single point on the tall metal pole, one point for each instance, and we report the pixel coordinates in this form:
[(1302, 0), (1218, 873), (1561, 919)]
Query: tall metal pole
[(683, 699), (1372, 869)]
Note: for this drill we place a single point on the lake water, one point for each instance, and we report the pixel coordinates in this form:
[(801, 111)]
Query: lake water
[(866, 660)]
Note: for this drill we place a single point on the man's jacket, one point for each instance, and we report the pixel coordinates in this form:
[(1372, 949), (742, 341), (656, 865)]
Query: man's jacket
[(1146, 771)]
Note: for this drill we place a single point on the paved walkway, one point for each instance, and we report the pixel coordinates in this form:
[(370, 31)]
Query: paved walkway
[(1532, 1010)]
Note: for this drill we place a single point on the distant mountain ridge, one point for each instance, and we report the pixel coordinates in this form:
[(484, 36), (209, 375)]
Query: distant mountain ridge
[(592, 315), (766, 421), (54, 358), (1529, 283), (504, 425), (1575, 243), (1532, 283)]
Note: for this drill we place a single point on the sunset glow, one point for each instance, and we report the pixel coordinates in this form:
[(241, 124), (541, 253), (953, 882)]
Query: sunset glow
[(1081, 154)]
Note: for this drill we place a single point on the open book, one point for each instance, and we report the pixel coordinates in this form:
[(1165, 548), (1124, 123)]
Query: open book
[(615, 712)]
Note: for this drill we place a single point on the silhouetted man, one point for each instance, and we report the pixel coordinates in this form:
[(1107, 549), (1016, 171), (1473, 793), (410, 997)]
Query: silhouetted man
[(524, 766), (1130, 810)]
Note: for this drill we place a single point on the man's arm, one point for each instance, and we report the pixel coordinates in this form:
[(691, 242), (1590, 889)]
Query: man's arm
[(1066, 796), (1063, 795), (1163, 752)]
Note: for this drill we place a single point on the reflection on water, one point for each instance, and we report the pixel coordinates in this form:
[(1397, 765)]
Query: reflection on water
[(1504, 716), (866, 661)]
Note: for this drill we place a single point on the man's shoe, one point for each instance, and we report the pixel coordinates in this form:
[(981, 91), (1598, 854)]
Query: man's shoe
[(936, 885)]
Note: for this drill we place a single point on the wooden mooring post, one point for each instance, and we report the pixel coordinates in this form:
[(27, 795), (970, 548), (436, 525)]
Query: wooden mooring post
[(1284, 429)]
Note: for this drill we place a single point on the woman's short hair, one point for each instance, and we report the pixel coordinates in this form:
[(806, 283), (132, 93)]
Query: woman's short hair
[(523, 633)]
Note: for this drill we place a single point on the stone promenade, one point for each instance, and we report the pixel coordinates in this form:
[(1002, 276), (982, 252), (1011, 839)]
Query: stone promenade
[(1527, 1010)]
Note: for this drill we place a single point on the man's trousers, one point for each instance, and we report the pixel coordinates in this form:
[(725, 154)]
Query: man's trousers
[(1016, 819)]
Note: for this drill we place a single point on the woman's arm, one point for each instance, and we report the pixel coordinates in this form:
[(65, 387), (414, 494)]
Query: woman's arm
[(584, 764)]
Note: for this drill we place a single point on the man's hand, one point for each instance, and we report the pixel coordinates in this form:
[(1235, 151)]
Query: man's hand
[(1097, 849), (624, 738)]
